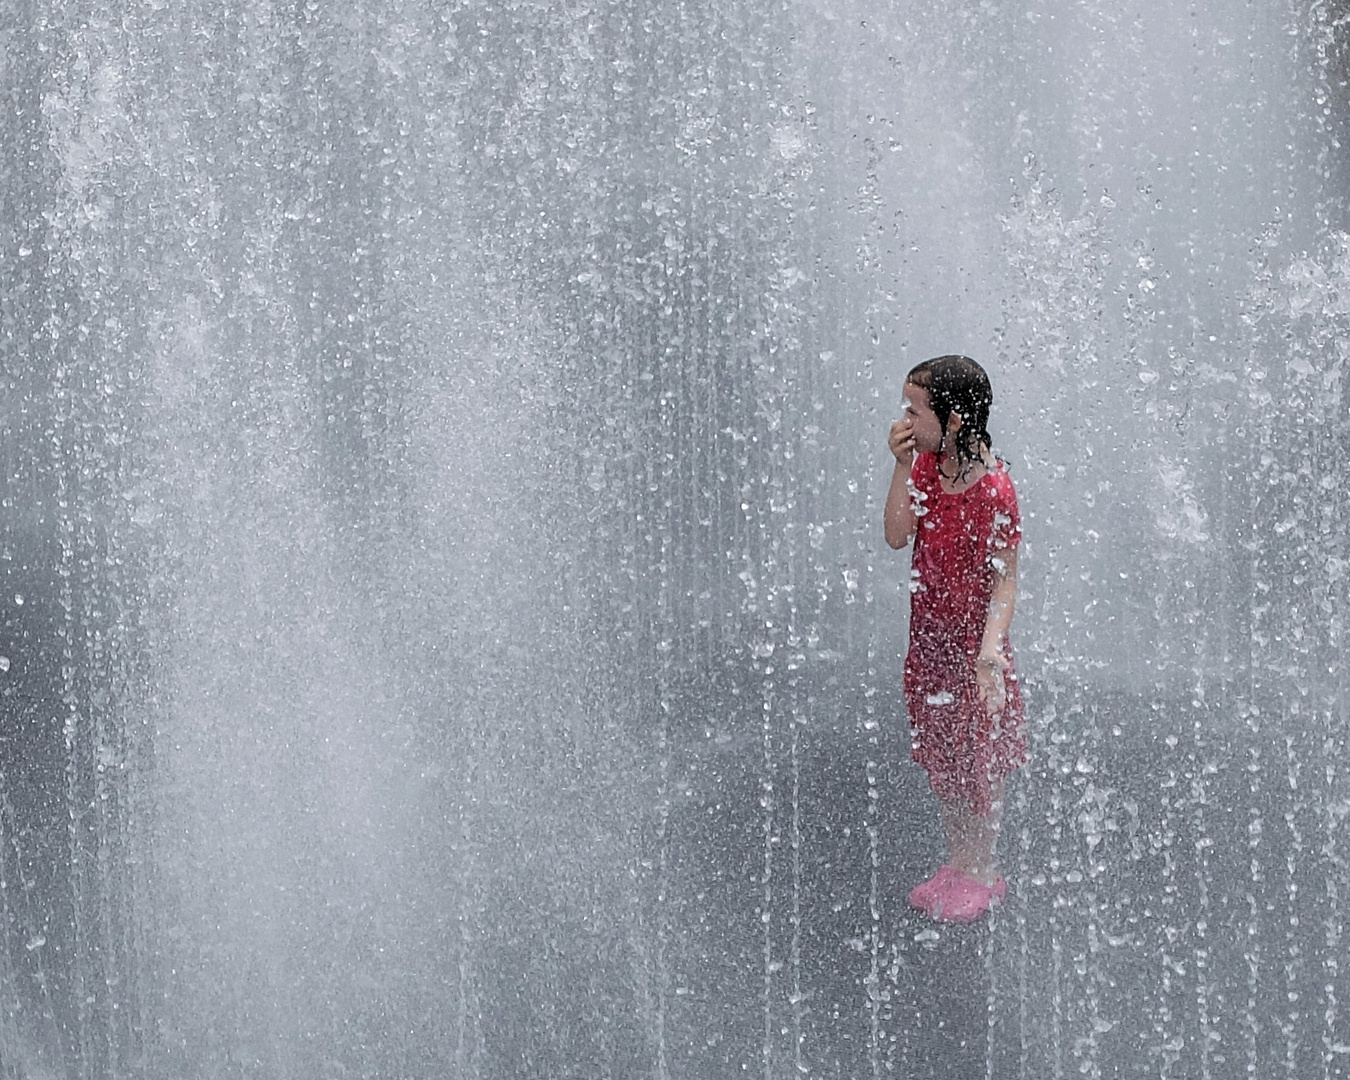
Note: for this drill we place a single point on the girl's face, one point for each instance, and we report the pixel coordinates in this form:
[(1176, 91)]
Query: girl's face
[(923, 420)]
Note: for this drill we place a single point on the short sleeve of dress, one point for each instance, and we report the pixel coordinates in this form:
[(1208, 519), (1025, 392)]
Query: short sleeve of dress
[(923, 482), (1007, 520)]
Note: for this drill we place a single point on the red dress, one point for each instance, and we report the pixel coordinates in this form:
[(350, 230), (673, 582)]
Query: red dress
[(963, 748)]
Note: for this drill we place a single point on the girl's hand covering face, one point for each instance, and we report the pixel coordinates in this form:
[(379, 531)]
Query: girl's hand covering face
[(902, 440)]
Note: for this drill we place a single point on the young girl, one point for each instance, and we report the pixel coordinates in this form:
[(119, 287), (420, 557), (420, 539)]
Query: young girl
[(956, 502)]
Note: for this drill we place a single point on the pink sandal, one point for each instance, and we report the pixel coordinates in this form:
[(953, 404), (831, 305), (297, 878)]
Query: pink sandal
[(964, 899), (922, 896)]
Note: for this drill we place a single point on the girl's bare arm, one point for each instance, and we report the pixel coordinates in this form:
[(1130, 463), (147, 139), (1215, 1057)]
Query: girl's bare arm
[(990, 664), (898, 519)]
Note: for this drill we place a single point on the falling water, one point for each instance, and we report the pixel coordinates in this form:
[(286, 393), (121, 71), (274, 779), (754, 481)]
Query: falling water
[(445, 624)]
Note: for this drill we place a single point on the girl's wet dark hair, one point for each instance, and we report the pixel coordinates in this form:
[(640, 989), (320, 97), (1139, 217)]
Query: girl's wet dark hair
[(956, 384)]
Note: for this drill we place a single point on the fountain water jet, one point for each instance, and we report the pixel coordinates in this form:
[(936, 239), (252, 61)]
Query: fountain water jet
[(442, 465)]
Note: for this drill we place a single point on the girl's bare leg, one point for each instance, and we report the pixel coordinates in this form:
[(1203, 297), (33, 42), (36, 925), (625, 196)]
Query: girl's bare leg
[(972, 838)]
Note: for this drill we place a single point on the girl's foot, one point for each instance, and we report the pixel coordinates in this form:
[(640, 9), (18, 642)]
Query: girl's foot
[(964, 899), (922, 896)]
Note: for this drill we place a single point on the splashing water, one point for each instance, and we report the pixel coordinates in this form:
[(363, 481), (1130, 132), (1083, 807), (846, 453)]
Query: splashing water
[(448, 632)]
